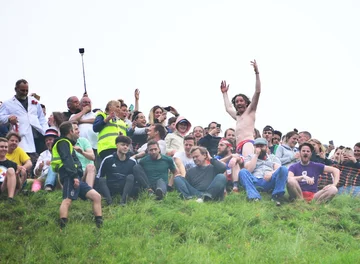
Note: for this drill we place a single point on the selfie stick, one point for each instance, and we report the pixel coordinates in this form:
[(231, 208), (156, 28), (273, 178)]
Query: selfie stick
[(82, 51)]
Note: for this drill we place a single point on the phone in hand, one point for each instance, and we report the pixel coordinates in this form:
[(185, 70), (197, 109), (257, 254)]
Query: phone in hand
[(168, 108), (218, 126), (131, 108)]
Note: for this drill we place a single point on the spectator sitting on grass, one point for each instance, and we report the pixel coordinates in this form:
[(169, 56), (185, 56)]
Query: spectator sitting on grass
[(304, 175), (116, 172), (153, 170), (183, 159), (18, 155), (205, 181), (9, 181)]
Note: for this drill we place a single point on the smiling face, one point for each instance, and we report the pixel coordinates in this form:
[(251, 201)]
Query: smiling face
[(357, 152), (198, 132), (13, 143), (182, 127), (240, 104), (3, 149), (157, 113), (293, 140), (122, 147), (229, 134), (49, 142), (141, 120)]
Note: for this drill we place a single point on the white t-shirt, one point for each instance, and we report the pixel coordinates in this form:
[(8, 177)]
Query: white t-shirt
[(45, 157), (187, 162), (86, 130), (162, 145)]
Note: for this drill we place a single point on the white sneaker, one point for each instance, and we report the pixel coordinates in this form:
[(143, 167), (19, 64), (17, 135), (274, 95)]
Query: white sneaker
[(48, 189), (200, 200)]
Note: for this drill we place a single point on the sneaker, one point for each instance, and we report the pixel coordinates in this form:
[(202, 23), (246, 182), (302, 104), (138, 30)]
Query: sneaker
[(207, 197), (235, 189), (48, 189), (200, 200), (159, 194)]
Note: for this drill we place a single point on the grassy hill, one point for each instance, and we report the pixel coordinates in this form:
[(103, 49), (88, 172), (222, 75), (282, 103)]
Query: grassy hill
[(177, 231)]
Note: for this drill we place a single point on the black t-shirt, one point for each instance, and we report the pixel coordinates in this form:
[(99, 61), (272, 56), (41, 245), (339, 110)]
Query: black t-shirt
[(4, 165), (68, 114), (24, 103)]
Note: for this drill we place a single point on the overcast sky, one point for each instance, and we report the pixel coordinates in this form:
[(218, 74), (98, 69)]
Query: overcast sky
[(177, 53)]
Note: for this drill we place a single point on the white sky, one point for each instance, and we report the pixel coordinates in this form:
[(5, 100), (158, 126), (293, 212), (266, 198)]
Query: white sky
[(177, 53)]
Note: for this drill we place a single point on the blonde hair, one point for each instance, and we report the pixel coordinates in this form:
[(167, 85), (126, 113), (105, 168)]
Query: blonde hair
[(321, 147), (152, 114), (110, 103)]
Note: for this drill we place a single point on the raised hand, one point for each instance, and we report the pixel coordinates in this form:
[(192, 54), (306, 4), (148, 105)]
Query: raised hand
[(137, 94), (224, 88), (254, 64)]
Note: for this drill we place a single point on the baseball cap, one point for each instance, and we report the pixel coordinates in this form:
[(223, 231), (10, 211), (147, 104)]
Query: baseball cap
[(260, 141)]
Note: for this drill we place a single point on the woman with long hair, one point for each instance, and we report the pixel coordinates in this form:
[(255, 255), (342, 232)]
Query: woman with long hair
[(157, 115), (287, 152), (319, 154)]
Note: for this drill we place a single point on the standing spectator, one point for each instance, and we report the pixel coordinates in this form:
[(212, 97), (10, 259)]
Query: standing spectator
[(65, 162), (73, 105), (25, 115), (109, 126)]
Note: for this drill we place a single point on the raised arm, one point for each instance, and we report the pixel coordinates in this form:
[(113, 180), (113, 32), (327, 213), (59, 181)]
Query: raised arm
[(256, 96), (137, 96), (228, 106)]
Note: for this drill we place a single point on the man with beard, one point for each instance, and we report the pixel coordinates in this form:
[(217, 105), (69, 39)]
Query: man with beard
[(25, 115), (224, 155), (263, 172), (304, 175), (244, 114), (205, 181), (153, 170)]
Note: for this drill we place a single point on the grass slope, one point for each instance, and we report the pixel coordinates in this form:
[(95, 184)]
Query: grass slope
[(176, 231)]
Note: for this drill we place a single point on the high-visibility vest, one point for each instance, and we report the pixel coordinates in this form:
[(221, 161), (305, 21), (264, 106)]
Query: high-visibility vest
[(107, 136), (56, 162)]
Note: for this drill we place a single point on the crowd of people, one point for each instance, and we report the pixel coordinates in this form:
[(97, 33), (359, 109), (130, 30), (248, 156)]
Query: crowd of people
[(98, 154)]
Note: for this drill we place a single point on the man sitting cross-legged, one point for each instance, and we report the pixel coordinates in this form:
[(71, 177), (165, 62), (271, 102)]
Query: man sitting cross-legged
[(205, 181), (118, 169), (9, 181), (304, 175), (263, 172), (153, 170)]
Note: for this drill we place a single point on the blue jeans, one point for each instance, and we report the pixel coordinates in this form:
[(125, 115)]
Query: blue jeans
[(50, 178), (215, 189), (353, 190), (276, 184)]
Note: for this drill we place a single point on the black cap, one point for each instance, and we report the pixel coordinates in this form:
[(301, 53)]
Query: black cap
[(268, 128)]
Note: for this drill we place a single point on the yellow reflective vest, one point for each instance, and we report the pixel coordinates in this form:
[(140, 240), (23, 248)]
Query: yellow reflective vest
[(108, 135), (56, 162)]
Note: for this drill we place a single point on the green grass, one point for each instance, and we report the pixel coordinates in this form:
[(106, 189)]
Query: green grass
[(176, 231)]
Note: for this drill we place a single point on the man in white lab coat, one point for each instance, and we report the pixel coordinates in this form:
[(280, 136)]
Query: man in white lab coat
[(25, 116)]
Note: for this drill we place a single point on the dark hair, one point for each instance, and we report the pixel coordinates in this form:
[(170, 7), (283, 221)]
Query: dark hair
[(357, 145), (246, 99), (189, 138), (152, 142), (257, 133), (306, 144), (171, 120), (123, 104), (65, 128), (277, 132), (290, 134), (306, 133), (13, 134), (123, 139), (341, 148), (42, 106), (211, 123), (161, 129), (135, 115), (228, 130), (20, 82), (2, 139)]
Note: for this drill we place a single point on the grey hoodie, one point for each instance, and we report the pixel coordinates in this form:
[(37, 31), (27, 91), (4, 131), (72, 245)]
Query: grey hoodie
[(286, 155)]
